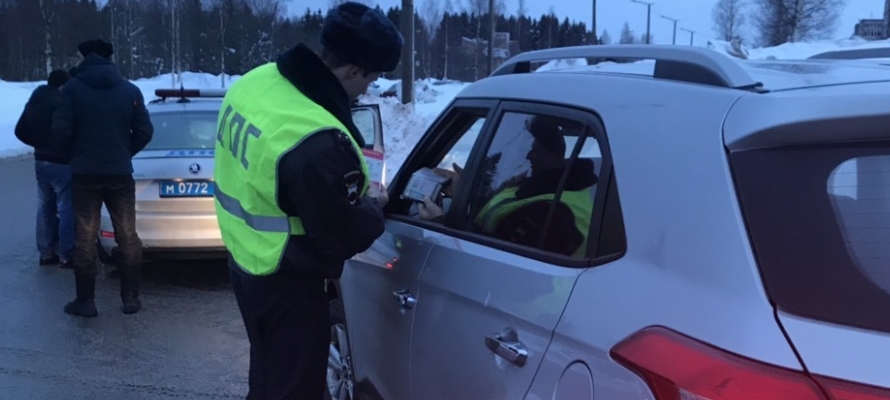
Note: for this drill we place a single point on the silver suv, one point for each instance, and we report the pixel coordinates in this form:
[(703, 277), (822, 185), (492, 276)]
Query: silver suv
[(686, 226)]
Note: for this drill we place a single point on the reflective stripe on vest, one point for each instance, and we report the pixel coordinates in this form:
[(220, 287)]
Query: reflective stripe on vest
[(263, 116), (291, 225), (505, 203)]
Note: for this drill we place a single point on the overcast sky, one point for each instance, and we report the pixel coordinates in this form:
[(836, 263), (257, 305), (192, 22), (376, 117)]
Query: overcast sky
[(693, 14)]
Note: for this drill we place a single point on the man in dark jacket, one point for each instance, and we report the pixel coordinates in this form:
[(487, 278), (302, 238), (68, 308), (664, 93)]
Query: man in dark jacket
[(55, 221), (291, 193), (103, 120)]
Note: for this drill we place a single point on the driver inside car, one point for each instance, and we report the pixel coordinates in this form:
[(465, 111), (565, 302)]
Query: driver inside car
[(519, 211)]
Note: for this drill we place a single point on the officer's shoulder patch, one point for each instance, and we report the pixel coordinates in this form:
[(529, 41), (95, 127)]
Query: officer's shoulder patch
[(351, 180)]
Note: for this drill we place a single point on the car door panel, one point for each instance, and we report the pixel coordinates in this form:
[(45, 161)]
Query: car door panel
[(377, 325), (471, 295), (380, 285), (491, 301)]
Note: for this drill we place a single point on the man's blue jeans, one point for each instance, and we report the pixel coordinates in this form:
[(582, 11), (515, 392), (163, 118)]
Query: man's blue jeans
[(55, 217)]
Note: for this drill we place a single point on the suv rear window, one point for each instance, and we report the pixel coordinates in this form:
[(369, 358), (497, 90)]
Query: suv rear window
[(190, 130), (819, 219)]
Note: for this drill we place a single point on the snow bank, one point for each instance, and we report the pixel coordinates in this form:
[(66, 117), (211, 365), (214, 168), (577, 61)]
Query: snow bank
[(796, 51)]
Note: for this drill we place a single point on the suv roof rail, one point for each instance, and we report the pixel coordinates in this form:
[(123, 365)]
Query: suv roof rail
[(680, 63), (853, 54)]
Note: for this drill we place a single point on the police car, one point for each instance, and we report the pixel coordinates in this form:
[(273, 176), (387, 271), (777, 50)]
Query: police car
[(175, 214)]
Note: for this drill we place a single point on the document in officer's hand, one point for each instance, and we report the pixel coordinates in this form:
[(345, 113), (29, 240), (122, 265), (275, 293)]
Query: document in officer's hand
[(425, 183), (377, 169)]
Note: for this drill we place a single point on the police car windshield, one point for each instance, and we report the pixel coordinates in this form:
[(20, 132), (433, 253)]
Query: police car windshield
[(189, 130)]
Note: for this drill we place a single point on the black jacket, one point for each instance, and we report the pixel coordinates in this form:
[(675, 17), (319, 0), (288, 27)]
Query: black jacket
[(102, 119), (314, 179), (35, 127)]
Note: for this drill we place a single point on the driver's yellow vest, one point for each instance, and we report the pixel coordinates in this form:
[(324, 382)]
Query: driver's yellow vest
[(263, 116), (505, 203)]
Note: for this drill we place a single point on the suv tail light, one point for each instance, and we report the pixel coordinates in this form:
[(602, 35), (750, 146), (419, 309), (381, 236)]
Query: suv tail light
[(677, 367)]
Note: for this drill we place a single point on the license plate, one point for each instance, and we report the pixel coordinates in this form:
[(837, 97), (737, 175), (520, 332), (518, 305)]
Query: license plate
[(190, 188)]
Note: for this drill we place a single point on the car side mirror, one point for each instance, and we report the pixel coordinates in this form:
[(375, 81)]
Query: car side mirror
[(367, 119)]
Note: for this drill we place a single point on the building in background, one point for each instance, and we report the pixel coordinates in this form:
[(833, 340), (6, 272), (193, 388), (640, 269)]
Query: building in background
[(871, 29)]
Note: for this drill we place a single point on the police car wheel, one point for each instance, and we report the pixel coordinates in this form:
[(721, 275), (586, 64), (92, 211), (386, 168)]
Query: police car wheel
[(341, 383)]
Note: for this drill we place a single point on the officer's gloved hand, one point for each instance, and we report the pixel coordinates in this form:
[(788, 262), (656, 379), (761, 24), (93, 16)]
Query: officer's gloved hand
[(429, 210)]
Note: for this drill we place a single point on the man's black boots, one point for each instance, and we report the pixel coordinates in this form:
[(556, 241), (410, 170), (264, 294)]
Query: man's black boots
[(83, 305), (130, 282)]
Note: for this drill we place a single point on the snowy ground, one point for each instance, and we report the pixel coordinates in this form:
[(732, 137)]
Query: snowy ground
[(403, 124)]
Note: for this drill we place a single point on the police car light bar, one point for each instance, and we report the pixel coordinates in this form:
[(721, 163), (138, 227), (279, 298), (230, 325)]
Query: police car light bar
[(185, 93)]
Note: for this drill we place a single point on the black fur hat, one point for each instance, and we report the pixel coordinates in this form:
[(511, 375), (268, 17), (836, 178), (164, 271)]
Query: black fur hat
[(362, 36), (57, 78), (96, 46)]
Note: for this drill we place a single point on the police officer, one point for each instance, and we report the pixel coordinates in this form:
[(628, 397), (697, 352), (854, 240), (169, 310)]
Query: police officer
[(291, 193)]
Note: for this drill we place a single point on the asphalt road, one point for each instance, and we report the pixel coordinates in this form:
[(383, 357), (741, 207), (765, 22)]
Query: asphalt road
[(188, 342)]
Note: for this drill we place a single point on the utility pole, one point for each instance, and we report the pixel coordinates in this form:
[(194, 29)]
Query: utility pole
[(408, 51), (648, 18), (674, 41), (691, 36), (798, 11), (222, 43), (593, 25), (491, 21)]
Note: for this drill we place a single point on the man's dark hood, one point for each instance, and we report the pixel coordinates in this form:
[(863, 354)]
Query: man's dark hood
[(581, 175), (98, 72)]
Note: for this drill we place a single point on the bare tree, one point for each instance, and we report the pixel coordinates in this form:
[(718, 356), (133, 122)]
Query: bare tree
[(431, 13), (48, 13), (269, 7), (222, 8), (126, 27), (627, 35), (478, 8), (267, 13), (175, 42), (520, 15), (729, 17), (781, 21), (606, 38), (448, 10)]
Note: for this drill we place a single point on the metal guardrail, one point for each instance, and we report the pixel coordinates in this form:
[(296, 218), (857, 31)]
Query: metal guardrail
[(679, 63), (853, 54)]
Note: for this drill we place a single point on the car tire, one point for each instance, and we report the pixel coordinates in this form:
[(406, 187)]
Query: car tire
[(340, 376)]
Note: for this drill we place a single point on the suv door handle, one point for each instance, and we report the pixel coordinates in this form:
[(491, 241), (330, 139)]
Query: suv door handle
[(507, 346), (405, 299)]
